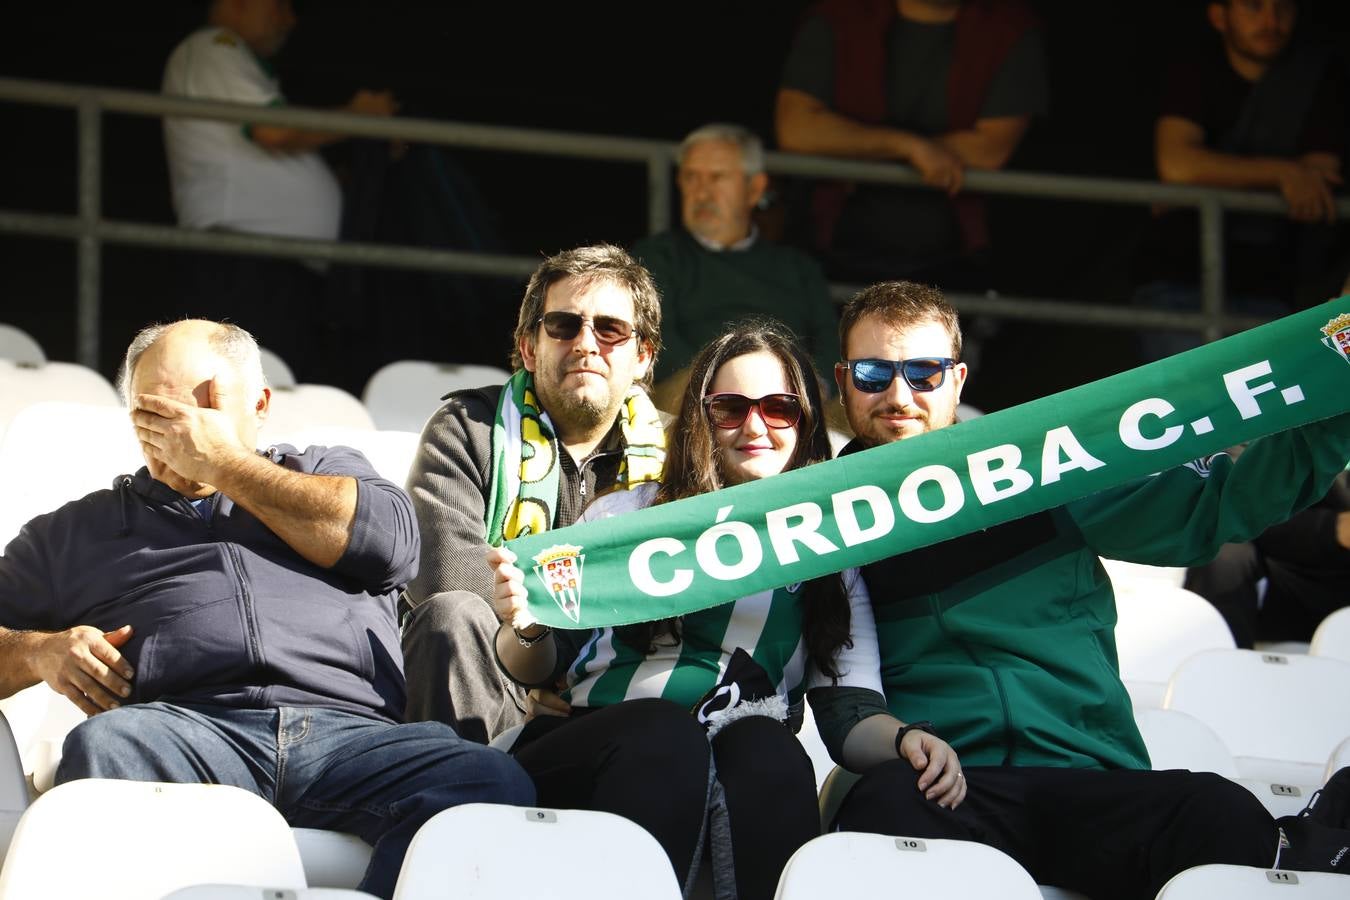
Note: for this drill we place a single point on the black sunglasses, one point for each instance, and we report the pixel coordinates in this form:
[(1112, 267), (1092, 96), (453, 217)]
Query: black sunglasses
[(729, 410), (922, 374), (565, 326)]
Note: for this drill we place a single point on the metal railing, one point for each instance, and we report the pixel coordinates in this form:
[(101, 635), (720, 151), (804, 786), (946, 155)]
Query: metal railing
[(90, 230)]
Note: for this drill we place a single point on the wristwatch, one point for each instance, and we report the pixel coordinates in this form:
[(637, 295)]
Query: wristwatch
[(925, 726)]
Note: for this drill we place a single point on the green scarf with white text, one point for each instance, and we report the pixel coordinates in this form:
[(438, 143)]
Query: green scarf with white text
[(680, 557)]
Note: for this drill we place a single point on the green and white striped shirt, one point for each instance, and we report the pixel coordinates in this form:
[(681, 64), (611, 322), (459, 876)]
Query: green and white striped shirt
[(767, 626)]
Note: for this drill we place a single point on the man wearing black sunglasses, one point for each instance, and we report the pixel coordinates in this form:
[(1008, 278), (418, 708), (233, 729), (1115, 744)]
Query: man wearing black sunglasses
[(1001, 640), (499, 462)]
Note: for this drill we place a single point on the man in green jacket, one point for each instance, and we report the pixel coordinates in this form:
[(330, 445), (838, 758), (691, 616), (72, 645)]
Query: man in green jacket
[(1002, 641)]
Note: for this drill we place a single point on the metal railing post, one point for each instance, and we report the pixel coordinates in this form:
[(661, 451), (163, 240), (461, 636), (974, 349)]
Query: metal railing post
[(1211, 267), (88, 266), (658, 193), (91, 231)]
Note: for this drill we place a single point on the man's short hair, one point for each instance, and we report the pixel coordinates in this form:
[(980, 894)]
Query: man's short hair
[(228, 340), (900, 304), (751, 147), (598, 263)]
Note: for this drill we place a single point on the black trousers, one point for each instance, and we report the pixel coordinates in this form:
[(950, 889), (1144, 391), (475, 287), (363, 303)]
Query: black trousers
[(647, 760), (1118, 834)]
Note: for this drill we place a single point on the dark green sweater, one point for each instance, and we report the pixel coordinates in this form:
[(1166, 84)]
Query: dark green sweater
[(702, 290)]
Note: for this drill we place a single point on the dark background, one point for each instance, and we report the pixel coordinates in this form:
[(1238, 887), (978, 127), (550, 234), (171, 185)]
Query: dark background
[(642, 69)]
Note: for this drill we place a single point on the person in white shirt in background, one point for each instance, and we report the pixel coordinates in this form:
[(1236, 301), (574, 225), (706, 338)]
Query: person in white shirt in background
[(253, 178)]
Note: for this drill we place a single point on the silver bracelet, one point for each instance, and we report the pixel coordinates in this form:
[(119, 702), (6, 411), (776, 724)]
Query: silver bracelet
[(531, 641)]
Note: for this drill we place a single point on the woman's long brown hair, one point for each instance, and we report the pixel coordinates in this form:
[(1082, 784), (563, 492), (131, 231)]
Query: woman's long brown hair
[(692, 468)]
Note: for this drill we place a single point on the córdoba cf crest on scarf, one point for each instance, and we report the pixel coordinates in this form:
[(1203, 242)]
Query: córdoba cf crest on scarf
[(1337, 333), (558, 568)]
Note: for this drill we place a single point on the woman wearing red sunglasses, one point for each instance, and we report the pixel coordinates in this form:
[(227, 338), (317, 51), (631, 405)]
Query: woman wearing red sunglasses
[(729, 674)]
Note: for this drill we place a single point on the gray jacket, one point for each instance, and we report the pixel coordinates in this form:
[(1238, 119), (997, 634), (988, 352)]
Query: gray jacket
[(449, 484)]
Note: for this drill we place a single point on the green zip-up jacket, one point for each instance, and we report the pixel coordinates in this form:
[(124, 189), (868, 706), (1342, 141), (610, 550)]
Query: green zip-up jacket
[(1004, 638)]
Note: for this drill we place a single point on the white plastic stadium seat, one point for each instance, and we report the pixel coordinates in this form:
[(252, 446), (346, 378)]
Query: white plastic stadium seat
[(1281, 798), (851, 864), (56, 452), (332, 859), (1124, 573), (275, 370), (1158, 627), (402, 395), (22, 386), (312, 405), (23, 712), (244, 892), (1332, 637), (141, 839), (1280, 716), (1339, 759), (390, 452), (1246, 883), (1289, 648), (475, 852), (13, 787), (19, 346), (1177, 740), (838, 782), (814, 746), (44, 719)]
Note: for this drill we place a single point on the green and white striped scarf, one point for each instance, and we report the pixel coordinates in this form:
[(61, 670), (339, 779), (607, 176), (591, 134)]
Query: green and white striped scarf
[(525, 458)]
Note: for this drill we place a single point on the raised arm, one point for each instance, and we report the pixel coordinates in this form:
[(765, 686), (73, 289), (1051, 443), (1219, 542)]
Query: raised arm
[(1182, 516), (522, 646), (313, 514), (1317, 537)]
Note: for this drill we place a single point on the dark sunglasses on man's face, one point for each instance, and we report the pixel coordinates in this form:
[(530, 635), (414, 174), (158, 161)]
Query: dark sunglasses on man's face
[(729, 410), (565, 326), (922, 374)]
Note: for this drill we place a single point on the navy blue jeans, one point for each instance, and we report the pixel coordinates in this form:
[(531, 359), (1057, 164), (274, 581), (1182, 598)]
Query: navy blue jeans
[(320, 768)]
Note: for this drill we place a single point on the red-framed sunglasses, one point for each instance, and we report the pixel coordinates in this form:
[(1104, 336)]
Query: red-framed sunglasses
[(730, 410)]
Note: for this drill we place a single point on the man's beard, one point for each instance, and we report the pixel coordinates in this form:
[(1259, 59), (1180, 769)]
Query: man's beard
[(570, 411), (924, 420), (919, 416), (580, 413)]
